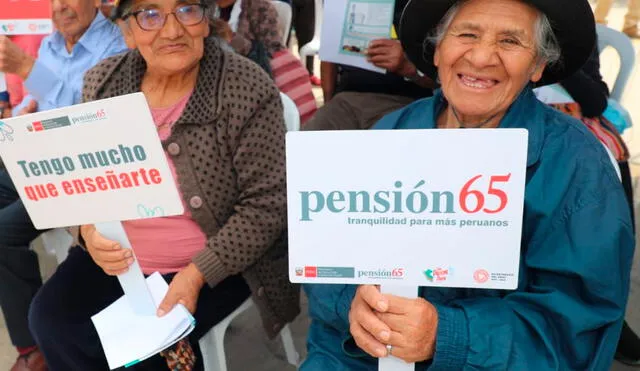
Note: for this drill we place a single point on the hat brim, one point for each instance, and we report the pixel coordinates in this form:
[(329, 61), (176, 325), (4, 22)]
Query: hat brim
[(571, 20)]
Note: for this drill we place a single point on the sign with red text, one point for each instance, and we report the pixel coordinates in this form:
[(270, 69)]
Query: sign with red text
[(406, 207), (95, 162), (25, 17)]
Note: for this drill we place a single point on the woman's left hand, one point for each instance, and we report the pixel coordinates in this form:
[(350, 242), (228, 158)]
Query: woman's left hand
[(184, 289), (408, 325)]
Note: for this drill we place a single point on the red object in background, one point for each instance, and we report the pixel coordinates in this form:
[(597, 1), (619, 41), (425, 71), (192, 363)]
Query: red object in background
[(25, 9), (15, 86)]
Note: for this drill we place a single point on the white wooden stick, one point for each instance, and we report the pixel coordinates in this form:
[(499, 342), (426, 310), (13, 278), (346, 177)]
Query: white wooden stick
[(133, 283)]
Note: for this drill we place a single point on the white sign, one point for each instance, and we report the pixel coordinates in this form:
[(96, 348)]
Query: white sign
[(406, 207), (26, 26), (95, 162), (25, 17), (354, 24)]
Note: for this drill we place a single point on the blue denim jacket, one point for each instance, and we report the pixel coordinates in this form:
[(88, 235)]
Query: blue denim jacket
[(577, 249)]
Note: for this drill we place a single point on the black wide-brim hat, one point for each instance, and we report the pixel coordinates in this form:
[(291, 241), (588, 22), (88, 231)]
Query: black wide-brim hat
[(571, 20)]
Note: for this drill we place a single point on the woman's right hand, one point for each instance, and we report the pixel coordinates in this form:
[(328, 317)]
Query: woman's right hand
[(108, 255)]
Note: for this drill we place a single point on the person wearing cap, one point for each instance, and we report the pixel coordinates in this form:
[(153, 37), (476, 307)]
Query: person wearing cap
[(82, 37), (220, 119), (577, 236)]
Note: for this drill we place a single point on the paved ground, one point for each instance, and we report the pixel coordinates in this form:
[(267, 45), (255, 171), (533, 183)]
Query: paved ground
[(249, 350)]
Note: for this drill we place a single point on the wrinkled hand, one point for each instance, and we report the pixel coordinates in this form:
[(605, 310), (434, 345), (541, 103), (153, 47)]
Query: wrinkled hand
[(184, 289), (31, 107), (409, 325), (107, 254), (13, 59), (389, 54)]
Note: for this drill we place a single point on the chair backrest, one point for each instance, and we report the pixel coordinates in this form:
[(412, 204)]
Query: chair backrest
[(291, 114), (284, 18), (624, 47)]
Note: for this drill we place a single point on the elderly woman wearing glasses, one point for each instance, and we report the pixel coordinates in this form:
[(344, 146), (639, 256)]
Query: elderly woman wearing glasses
[(219, 117), (577, 238)]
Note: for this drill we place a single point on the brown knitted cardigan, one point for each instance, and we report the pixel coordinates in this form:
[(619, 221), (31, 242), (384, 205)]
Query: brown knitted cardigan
[(228, 150)]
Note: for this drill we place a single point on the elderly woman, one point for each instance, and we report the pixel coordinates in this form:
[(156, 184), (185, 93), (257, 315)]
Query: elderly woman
[(219, 117), (577, 238)]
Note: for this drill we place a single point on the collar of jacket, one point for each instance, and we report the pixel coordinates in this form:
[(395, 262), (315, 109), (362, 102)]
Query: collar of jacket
[(203, 107)]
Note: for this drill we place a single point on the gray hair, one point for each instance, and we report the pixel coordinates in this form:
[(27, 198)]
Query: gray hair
[(547, 46)]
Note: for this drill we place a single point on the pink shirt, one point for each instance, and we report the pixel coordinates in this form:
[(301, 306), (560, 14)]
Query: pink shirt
[(166, 244)]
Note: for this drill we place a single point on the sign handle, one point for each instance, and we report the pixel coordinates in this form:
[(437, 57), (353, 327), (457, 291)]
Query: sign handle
[(392, 363), (133, 282)]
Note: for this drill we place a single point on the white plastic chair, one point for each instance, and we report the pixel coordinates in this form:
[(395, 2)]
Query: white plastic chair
[(291, 114), (313, 47), (57, 242), (212, 343), (624, 47), (284, 18)]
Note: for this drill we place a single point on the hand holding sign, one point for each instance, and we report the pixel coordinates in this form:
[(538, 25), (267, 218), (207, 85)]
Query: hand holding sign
[(107, 254), (94, 168), (388, 325)]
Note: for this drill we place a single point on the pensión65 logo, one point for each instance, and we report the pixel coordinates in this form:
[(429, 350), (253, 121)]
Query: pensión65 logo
[(382, 274), (468, 199)]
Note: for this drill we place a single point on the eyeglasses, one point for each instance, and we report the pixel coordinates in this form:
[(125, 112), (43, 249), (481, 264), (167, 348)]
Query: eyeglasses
[(154, 19)]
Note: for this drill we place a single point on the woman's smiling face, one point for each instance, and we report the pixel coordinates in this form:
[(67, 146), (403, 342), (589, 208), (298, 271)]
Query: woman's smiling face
[(487, 56)]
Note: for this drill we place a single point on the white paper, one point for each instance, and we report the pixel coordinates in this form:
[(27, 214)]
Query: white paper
[(91, 144), (354, 23), (127, 338), (553, 94), (335, 243), (132, 282), (3, 82)]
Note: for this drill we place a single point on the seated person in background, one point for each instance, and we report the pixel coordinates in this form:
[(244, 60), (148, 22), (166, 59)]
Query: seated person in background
[(584, 95), (564, 314), (355, 98), (231, 241), (254, 24), (82, 38)]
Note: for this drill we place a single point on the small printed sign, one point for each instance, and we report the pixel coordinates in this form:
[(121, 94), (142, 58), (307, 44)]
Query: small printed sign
[(95, 162), (25, 17)]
